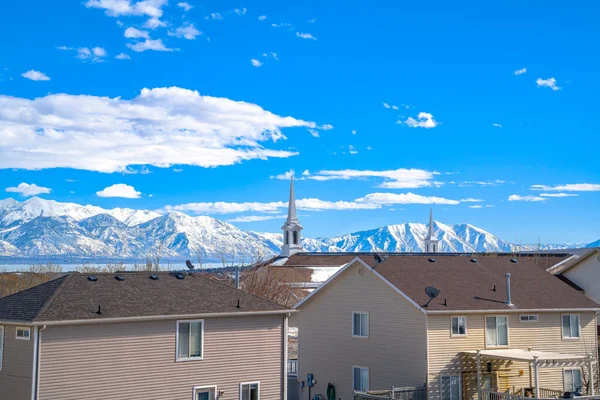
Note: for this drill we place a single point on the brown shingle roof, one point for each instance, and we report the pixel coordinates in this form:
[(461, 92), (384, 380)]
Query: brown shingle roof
[(75, 297), (466, 285)]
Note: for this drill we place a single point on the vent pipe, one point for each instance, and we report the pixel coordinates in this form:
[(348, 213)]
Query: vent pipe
[(237, 277), (508, 296)]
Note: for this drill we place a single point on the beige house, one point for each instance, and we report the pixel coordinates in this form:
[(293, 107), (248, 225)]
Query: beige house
[(372, 326), (141, 336)]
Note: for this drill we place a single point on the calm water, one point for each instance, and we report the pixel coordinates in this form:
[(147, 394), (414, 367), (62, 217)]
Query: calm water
[(175, 265)]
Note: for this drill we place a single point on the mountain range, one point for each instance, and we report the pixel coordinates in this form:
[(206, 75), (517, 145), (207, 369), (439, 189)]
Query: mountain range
[(47, 228)]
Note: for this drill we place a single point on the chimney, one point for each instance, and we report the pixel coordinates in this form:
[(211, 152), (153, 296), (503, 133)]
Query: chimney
[(508, 297)]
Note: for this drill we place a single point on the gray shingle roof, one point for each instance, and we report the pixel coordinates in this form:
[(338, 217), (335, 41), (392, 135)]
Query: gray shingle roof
[(75, 297)]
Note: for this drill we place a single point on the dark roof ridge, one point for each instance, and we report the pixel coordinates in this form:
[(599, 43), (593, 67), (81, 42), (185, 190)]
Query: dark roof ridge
[(50, 300)]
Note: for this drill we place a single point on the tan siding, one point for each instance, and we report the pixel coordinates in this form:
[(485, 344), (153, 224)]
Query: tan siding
[(544, 335), (17, 366), (395, 351), (137, 360)]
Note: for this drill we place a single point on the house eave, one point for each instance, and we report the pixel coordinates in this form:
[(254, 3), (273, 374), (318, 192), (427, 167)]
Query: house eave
[(511, 311)]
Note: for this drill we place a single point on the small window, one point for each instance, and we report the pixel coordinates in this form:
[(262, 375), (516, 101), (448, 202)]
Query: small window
[(459, 326), (1, 345), (360, 377), (572, 380), (360, 324), (286, 236), (496, 331), (570, 326), (23, 333), (190, 340), (528, 318), (250, 391), (295, 235)]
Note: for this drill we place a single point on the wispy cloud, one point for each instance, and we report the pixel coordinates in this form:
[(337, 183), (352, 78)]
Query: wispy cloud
[(476, 206), (95, 54), (134, 33), (570, 187), (256, 218), (286, 176), (559, 194), (404, 198), (283, 25), (187, 31), (185, 6), (495, 182), (151, 9), (119, 190), (516, 197), (521, 71), (314, 133), (123, 56), (34, 75), (497, 125), (262, 18), (352, 150), (423, 120), (305, 35), (393, 179), (393, 107), (149, 44), (256, 63), (550, 82), (26, 189), (311, 21), (353, 131)]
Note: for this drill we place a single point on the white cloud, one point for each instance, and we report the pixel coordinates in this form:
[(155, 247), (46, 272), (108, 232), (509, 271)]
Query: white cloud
[(149, 44), (64, 48), (185, 6), (239, 11), (480, 183), (256, 63), (274, 55), (424, 120), (123, 56), (470, 200), (550, 82), (134, 33), (394, 179), (497, 125), (115, 8), (314, 133), (177, 170), (99, 52), (326, 127), (369, 148), (516, 197), (476, 206), (159, 127), (283, 25), (35, 75), (187, 31), (305, 35), (216, 16), (559, 194), (404, 198), (286, 176), (96, 54), (570, 187), (26, 189), (393, 107), (256, 218), (352, 150), (353, 131), (262, 17), (520, 71), (312, 20), (153, 23), (119, 190), (489, 206)]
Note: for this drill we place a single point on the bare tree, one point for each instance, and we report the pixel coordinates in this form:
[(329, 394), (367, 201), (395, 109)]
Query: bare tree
[(263, 282), (153, 257), (592, 352), (12, 282)]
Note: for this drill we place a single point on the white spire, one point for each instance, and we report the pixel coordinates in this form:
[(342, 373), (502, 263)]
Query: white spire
[(292, 242), (431, 242)]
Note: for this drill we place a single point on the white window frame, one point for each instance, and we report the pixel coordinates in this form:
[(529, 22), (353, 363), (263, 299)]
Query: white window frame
[(257, 383), (25, 329), (562, 333), (565, 370), (180, 359), (507, 331), (452, 334), (361, 368), (1, 346), (460, 383), (535, 319), (368, 324), (196, 389)]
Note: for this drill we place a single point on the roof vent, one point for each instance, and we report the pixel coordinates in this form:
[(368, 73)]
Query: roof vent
[(474, 260), (431, 260), (179, 276), (92, 278), (154, 277), (120, 278), (514, 260)]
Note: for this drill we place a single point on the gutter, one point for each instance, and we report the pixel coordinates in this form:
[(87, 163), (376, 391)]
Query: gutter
[(35, 376), (512, 311)]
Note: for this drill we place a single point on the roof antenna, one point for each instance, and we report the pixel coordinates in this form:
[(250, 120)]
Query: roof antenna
[(99, 312), (432, 292), (238, 304)]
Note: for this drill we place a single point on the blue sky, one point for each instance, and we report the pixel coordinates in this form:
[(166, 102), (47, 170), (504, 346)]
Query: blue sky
[(484, 112)]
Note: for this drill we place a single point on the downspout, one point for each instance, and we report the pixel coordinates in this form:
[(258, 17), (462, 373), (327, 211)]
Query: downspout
[(285, 356), (35, 377)]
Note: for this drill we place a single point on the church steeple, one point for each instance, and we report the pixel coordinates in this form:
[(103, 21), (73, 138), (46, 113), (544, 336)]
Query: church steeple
[(431, 242), (292, 242)]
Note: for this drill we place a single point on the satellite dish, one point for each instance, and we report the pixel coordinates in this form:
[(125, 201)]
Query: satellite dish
[(377, 258), (432, 292), (189, 264)]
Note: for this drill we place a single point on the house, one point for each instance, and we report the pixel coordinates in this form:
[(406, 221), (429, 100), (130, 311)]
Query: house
[(462, 325), (141, 335)]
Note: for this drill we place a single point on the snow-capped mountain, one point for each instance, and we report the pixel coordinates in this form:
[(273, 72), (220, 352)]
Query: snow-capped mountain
[(38, 227)]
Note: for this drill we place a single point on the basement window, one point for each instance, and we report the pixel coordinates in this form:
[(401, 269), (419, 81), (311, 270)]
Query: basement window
[(23, 333)]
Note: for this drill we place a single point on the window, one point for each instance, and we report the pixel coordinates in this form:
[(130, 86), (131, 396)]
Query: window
[(250, 391), (360, 324), (360, 377), (450, 387), (190, 340), (496, 331), (286, 235), (295, 236), (459, 326), (23, 333), (528, 318), (1, 345), (570, 326), (572, 380)]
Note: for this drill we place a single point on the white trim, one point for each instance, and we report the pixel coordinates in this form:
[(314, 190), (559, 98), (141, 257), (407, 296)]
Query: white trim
[(285, 357), (368, 376), (197, 388), (257, 383), (460, 383), (34, 373), (558, 265), (24, 329), (497, 346), (512, 311), (368, 324), (562, 334), (458, 335), (529, 321), (183, 359), (1, 346)]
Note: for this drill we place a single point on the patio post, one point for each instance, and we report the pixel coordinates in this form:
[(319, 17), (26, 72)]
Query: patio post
[(478, 374), (591, 378), (536, 376)]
